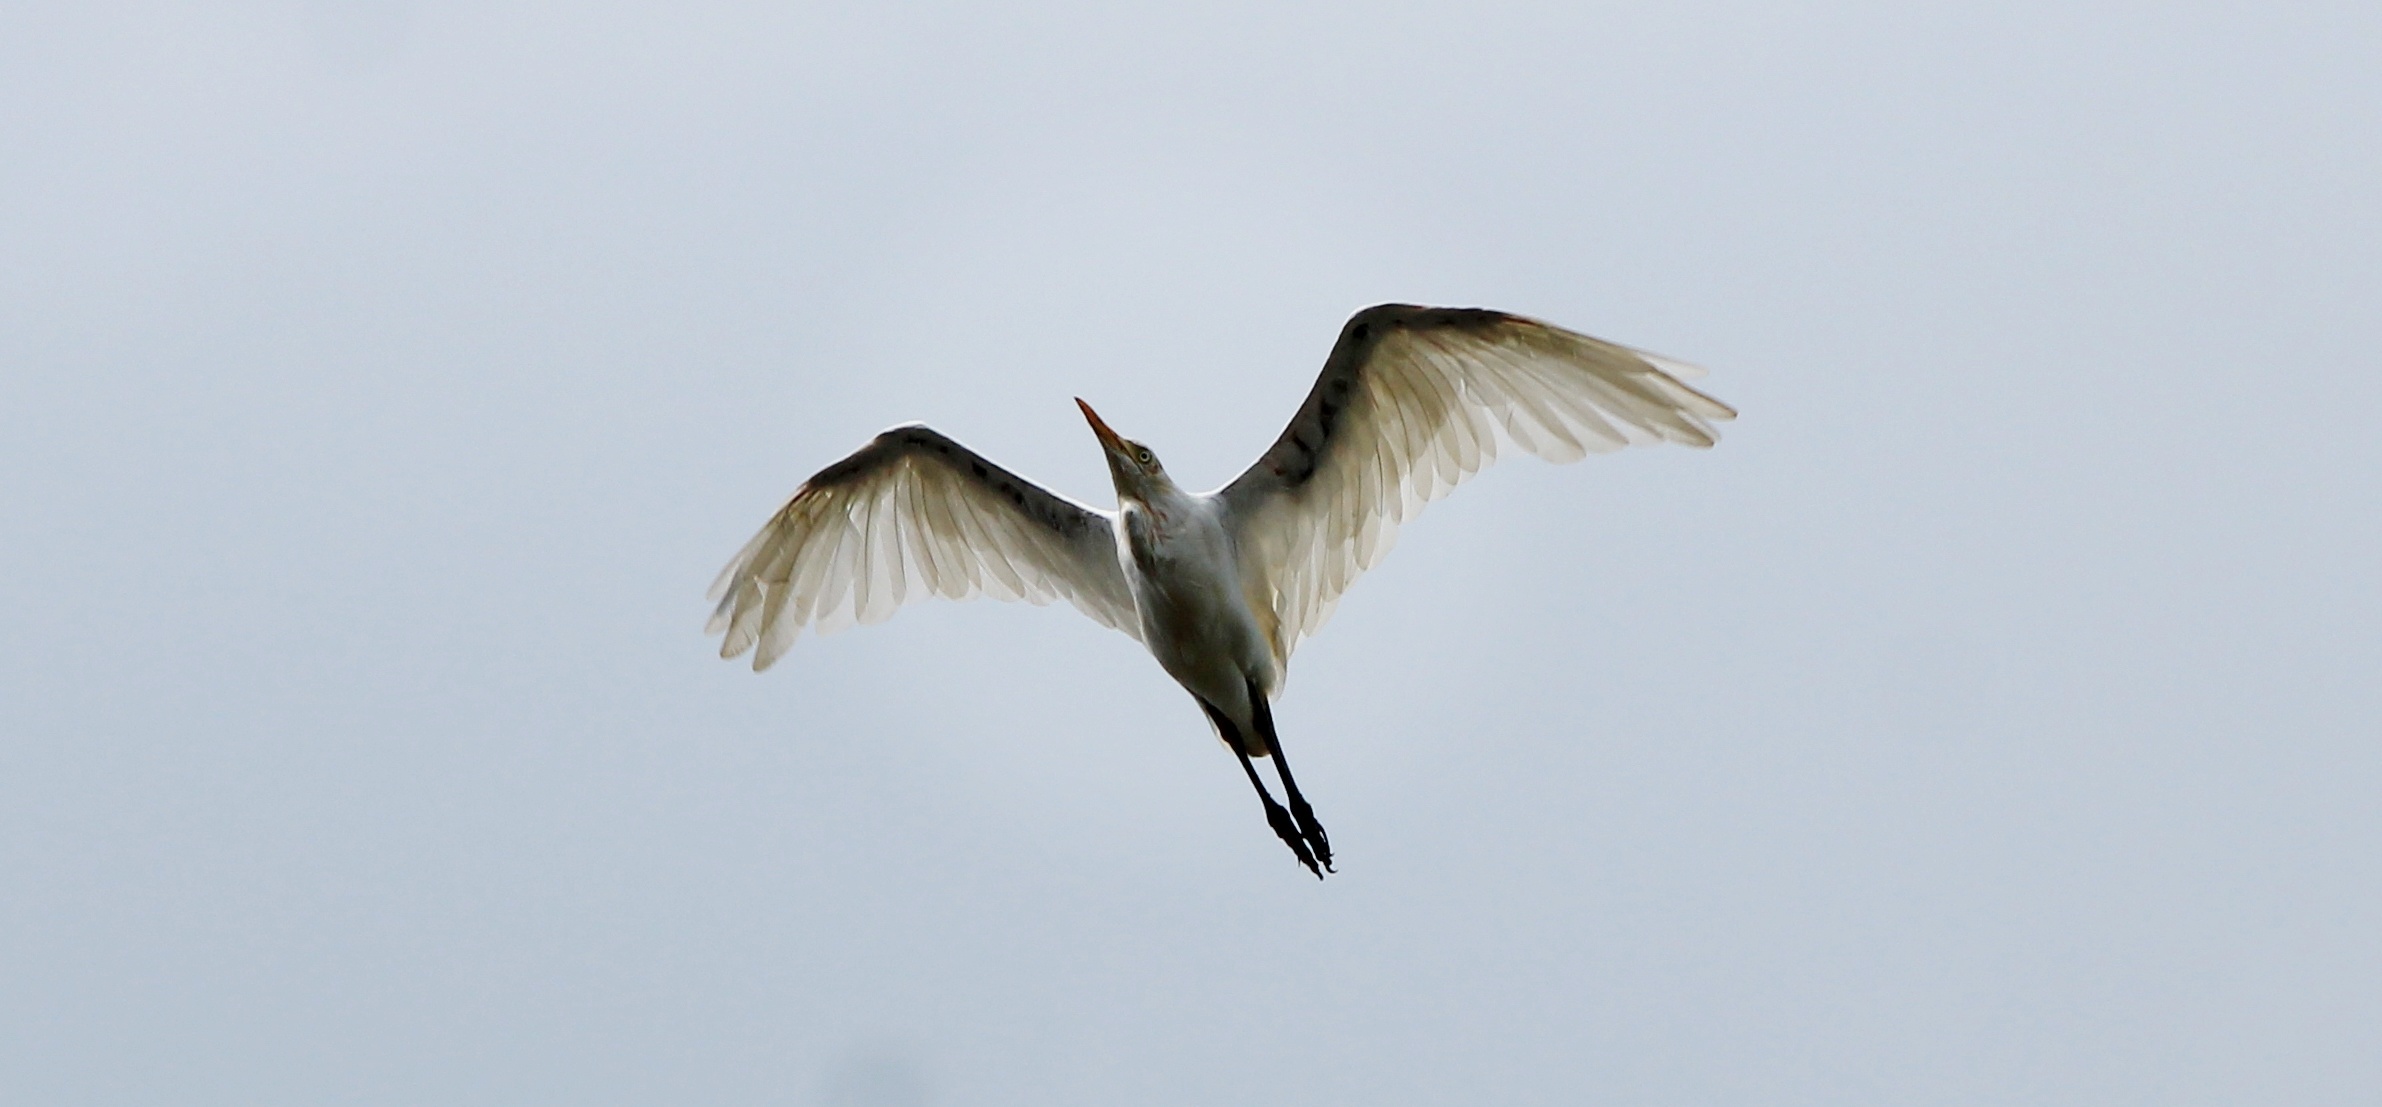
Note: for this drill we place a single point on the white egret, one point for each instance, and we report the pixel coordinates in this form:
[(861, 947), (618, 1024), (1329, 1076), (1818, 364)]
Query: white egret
[(1220, 586)]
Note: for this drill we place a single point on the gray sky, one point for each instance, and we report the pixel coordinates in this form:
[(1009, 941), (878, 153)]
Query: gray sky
[(1989, 719)]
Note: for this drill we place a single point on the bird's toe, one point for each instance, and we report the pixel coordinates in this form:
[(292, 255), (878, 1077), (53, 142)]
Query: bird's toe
[(1291, 836), (1311, 829)]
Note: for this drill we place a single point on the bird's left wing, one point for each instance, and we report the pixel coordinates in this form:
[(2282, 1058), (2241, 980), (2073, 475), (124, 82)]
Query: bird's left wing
[(1413, 401), (909, 515)]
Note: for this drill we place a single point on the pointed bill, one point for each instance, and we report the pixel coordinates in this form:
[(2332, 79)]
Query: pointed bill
[(1108, 438)]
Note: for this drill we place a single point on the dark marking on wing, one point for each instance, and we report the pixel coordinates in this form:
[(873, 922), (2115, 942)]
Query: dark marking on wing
[(929, 445), (1307, 443), (1294, 458), (920, 483)]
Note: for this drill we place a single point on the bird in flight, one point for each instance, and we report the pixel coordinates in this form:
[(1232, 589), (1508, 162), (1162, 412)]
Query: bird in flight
[(1220, 586)]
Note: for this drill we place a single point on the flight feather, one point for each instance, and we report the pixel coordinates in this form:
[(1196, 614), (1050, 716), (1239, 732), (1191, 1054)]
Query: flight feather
[(1411, 402), (913, 514)]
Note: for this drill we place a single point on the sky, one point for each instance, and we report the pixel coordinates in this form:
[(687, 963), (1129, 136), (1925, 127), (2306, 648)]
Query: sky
[(1990, 718)]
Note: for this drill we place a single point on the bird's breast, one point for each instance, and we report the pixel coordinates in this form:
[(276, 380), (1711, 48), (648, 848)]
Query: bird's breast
[(1186, 587)]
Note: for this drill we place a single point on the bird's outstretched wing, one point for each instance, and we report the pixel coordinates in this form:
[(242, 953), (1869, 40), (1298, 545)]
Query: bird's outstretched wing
[(910, 515), (1413, 401)]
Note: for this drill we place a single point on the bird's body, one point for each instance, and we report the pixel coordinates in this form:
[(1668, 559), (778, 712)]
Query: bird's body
[(1218, 586), (1178, 558)]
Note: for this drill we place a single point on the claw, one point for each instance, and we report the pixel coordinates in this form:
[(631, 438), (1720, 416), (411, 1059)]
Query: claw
[(1291, 835), (1312, 830)]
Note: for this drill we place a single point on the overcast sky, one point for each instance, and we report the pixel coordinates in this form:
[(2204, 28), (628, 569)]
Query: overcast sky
[(1991, 718)]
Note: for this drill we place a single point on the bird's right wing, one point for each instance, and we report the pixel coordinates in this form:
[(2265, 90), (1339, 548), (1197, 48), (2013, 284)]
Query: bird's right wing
[(909, 515), (1413, 401)]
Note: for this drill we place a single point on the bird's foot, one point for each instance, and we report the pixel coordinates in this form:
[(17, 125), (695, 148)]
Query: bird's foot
[(1290, 834), (1312, 831)]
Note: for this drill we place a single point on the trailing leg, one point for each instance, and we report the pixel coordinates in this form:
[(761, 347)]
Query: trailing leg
[(1309, 828), (1290, 832)]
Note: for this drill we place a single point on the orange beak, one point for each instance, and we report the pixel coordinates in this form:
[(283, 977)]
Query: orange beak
[(1108, 438)]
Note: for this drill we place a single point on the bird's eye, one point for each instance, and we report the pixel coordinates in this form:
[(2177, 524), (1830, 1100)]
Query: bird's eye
[(1142, 454)]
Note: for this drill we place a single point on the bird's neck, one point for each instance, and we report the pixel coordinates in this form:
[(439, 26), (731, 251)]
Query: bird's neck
[(1158, 526), (1159, 498)]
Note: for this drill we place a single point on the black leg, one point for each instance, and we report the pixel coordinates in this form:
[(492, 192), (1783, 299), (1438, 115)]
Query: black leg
[(1308, 826), (1275, 816)]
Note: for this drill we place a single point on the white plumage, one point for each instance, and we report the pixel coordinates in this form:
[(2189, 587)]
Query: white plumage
[(1222, 586), (910, 515)]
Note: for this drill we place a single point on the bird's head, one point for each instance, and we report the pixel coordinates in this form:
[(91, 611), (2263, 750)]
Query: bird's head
[(1130, 464)]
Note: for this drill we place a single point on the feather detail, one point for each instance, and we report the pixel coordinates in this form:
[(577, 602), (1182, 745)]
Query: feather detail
[(910, 515), (1412, 402)]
